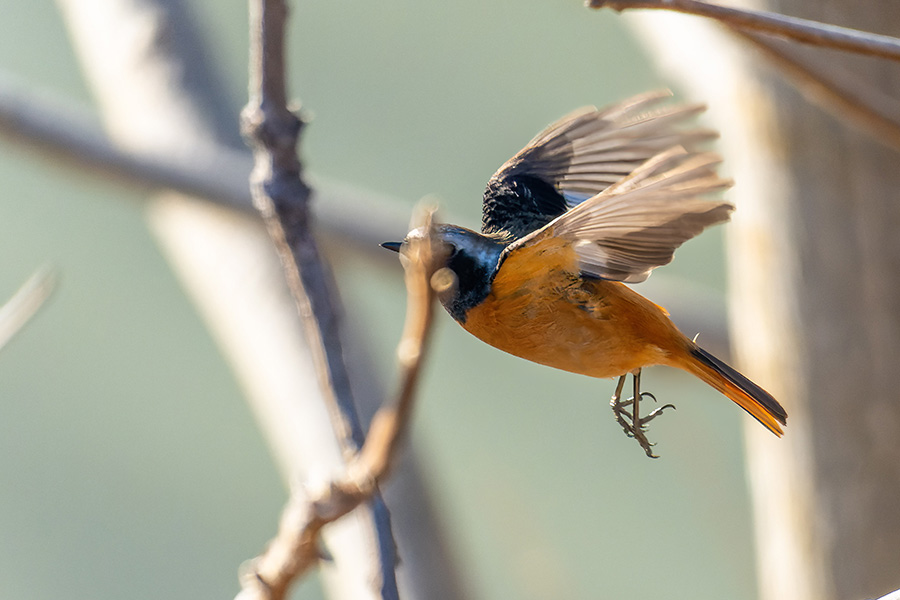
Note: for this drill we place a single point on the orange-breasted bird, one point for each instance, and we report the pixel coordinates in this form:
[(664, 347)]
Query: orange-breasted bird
[(595, 201)]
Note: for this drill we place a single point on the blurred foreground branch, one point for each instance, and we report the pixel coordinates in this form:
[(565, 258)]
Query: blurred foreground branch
[(150, 102), (295, 549)]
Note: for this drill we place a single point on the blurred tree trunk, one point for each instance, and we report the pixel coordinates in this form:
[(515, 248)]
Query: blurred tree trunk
[(814, 267), (836, 351)]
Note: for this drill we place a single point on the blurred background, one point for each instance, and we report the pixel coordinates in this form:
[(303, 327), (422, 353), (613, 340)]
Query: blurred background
[(130, 464)]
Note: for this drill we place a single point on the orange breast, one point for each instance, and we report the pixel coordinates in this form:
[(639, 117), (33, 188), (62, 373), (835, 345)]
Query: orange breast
[(542, 310)]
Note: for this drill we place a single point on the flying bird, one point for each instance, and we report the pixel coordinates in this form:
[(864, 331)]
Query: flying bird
[(596, 201)]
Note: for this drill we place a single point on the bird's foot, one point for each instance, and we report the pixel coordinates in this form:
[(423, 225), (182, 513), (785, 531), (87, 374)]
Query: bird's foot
[(632, 422)]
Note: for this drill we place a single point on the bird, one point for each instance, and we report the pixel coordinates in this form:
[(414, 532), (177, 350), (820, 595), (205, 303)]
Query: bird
[(590, 206)]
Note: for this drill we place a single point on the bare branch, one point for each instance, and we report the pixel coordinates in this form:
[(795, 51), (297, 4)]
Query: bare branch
[(295, 549), (282, 198), (218, 173), (144, 87), (70, 135), (19, 309), (799, 30), (425, 259), (156, 78), (836, 90)]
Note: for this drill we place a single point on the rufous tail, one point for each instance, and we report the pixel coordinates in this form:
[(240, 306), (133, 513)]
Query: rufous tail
[(746, 394)]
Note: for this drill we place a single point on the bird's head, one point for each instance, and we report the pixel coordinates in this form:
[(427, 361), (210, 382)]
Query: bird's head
[(471, 257)]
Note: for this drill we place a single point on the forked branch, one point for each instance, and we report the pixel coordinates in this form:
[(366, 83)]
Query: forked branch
[(295, 549), (282, 198)]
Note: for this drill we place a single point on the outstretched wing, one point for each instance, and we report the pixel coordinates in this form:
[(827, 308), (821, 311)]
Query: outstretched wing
[(635, 225), (578, 157)]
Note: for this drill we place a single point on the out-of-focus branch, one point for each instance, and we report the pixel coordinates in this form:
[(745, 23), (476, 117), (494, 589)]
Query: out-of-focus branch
[(799, 30), (72, 137), (213, 171), (19, 309), (141, 59), (834, 89), (795, 169), (424, 274), (295, 549), (837, 92)]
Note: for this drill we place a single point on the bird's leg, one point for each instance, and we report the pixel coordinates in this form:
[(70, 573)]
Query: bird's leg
[(618, 407), (634, 425), (637, 424)]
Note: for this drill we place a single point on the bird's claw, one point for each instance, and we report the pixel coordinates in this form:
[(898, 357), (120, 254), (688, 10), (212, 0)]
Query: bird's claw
[(634, 425)]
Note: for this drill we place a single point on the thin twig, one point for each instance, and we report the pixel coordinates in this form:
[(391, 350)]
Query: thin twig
[(800, 30), (836, 90), (282, 197), (425, 258), (19, 309), (295, 549)]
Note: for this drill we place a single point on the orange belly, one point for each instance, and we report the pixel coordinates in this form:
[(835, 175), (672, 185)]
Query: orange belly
[(542, 310)]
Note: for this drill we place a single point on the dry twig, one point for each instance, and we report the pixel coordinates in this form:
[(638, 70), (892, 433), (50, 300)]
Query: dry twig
[(793, 28), (282, 198), (836, 90), (845, 98), (160, 77), (295, 549)]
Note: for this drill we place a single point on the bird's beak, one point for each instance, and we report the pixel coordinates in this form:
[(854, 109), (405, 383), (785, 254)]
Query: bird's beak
[(395, 246)]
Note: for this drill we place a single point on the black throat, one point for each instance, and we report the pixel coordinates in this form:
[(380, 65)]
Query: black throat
[(474, 266)]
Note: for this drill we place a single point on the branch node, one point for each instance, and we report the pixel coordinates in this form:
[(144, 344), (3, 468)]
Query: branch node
[(274, 128)]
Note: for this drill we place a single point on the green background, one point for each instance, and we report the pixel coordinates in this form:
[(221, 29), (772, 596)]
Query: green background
[(130, 465)]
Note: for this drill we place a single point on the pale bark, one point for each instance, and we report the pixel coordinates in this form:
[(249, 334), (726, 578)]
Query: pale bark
[(815, 282)]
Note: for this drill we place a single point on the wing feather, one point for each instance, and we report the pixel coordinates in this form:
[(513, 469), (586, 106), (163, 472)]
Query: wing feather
[(581, 155), (637, 223)]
